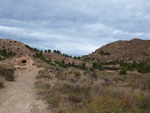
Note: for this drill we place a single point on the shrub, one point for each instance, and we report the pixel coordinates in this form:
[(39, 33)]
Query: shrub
[(123, 71), (104, 53), (94, 75), (91, 69), (1, 83), (75, 98), (77, 74), (73, 64), (118, 101), (70, 72), (144, 83), (83, 66), (7, 73), (6, 54), (53, 101), (49, 50), (60, 76), (57, 51), (145, 102)]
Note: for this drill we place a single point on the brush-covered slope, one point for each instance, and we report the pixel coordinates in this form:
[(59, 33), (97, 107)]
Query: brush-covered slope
[(135, 49), (14, 46)]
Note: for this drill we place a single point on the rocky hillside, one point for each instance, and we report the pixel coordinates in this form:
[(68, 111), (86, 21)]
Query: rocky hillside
[(135, 49), (14, 46)]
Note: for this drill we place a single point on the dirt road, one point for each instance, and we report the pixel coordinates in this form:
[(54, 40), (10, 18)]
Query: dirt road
[(20, 96)]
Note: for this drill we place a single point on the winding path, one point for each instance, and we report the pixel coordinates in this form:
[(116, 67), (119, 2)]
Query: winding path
[(20, 96)]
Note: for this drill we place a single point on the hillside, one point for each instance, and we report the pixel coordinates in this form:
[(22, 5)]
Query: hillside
[(14, 46), (20, 49), (52, 82), (135, 49)]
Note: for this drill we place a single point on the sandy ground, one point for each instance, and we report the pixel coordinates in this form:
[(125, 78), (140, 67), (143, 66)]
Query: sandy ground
[(20, 96)]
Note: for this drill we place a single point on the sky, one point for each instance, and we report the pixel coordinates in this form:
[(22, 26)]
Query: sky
[(75, 27)]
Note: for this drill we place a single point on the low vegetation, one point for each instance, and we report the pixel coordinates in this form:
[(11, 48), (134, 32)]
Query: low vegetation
[(80, 91), (104, 53), (141, 67), (123, 71), (6, 54), (66, 65), (120, 86), (7, 72), (32, 49), (1, 83), (105, 87)]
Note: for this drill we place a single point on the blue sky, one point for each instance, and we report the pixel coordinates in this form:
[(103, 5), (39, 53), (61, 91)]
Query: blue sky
[(76, 27)]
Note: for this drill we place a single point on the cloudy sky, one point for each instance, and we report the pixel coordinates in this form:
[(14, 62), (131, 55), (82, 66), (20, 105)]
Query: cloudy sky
[(75, 27)]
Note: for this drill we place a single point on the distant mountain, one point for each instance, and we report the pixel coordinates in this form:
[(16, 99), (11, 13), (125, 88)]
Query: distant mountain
[(135, 49)]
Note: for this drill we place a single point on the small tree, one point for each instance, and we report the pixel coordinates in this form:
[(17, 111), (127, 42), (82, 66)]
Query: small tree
[(63, 62), (95, 65), (49, 50), (83, 66), (73, 64), (54, 51), (69, 64), (79, 57)]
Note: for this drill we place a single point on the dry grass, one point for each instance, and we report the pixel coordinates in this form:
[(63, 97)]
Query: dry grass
[(1, 83), (7, 71), (70, 90), (114, 100)]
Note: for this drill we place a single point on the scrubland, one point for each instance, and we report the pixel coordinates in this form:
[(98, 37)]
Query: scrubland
[(6, 74), (78, 91)]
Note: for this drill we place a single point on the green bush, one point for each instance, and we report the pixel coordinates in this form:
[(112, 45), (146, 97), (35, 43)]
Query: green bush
[(123, 71), (83, 66), (97, 66), (57, 51), (77, 74), (6, 54)]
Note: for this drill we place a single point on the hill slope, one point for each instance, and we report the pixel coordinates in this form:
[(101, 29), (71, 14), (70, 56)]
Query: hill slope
[(15, 46), (76, 88), (135, 49)]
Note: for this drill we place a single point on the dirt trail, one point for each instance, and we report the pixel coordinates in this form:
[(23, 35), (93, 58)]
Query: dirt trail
[(20, 96)]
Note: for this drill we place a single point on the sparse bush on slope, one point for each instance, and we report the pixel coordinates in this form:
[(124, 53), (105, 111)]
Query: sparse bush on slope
[(67, 90), (123, 71), (104, 53), (7, 73), (5, 54)]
